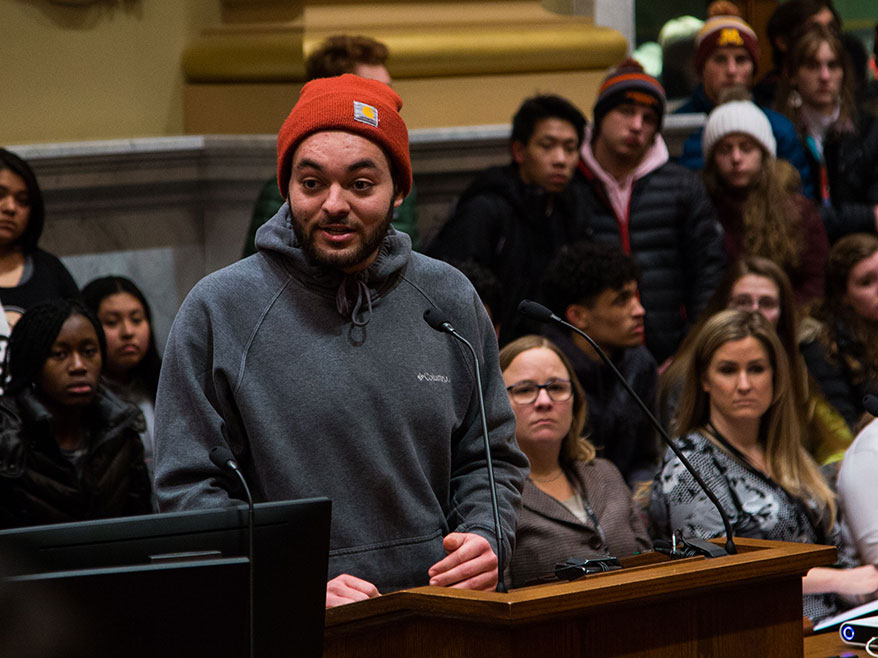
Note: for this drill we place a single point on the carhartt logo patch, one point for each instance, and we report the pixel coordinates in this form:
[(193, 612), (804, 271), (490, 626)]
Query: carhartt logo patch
[(365, 114)]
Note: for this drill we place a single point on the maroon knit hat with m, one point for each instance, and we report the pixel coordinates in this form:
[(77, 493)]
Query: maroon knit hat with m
[(724, 31), (352, 104)]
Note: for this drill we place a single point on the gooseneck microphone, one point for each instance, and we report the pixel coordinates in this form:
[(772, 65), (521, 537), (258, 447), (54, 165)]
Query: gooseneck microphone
[(223, 458), (436, 319), (540, 313)]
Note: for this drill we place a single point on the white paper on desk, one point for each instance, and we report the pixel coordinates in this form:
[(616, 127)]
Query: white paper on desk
[(847, 615)]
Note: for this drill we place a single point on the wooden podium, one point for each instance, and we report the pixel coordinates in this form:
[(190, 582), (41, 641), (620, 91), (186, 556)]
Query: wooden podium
[(749, 604)]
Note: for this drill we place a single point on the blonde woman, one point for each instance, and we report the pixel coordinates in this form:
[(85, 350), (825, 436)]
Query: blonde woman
[(573, 504), (738, 426)]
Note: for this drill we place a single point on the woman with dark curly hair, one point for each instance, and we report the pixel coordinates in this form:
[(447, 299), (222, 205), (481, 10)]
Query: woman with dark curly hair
[(69, 449), (28, 274), (757, 200), (843, 357)]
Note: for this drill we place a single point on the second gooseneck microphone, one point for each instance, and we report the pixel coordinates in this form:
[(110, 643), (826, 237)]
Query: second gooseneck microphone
[(436, 319)]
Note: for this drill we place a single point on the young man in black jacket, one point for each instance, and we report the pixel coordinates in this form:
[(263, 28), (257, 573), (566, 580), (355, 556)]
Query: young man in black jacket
[(513, 220), (655, 210), (594, 288)]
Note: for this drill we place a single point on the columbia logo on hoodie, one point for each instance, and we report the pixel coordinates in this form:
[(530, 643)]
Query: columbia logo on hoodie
[(430, 377)]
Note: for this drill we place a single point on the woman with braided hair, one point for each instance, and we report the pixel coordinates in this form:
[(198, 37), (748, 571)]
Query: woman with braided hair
[(69, 449)]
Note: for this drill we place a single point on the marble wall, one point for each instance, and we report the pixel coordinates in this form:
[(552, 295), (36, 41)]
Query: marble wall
[(167, 211)]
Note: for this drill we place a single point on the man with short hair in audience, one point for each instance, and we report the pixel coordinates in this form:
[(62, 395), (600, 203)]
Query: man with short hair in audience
[(594, 287), (338, 54), (726, 57), (655, 210), (512, 220), (313, 362)]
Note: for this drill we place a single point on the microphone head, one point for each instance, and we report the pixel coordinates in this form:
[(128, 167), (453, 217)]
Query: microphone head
[(221, 457), (437, 319), (534, 311), (870, 403)]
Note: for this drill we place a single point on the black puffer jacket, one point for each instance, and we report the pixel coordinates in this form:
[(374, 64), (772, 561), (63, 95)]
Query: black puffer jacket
[(39, 485), (852, 173), (502, 224), (674, 236)]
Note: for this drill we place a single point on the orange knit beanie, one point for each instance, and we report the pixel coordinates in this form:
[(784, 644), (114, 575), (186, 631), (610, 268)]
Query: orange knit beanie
[(353, 104)]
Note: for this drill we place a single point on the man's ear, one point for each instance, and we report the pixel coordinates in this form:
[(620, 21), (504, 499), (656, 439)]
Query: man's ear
[(398, 199), (517, 149), (577, 315)]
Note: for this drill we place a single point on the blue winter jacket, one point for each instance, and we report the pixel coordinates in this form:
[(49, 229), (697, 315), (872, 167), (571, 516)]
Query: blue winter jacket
[(788, 145)]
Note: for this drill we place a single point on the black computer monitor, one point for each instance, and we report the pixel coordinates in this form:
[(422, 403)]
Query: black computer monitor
[(176, 584)]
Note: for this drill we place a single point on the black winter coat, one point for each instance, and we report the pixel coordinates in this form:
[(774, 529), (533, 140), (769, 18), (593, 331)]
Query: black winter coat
[(40, 485), (502, 225), (852, 174), (615, 423), (674, 237)]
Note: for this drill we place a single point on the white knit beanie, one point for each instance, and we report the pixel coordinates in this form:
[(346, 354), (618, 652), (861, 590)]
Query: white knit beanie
[(737, 117)]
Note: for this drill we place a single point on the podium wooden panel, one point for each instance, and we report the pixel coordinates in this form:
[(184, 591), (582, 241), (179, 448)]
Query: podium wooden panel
[(749, 604)]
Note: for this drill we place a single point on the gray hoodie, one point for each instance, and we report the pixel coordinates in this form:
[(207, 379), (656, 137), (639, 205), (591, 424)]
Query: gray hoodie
[(334, 385)]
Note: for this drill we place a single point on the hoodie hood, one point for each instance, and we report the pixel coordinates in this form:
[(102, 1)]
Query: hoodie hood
[(354, 294), (619, 193)]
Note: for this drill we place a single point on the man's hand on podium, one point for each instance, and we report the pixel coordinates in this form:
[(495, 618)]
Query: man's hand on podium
[(470, 563), (347, 589)]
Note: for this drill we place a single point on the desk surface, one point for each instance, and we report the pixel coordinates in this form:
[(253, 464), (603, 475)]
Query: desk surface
[(826, 645)]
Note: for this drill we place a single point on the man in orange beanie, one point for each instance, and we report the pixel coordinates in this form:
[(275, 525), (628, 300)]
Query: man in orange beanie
[(313, 361), (337, 55)]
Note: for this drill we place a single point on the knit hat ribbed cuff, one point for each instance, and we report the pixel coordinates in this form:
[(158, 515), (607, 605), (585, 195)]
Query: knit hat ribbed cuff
[(737, 117)]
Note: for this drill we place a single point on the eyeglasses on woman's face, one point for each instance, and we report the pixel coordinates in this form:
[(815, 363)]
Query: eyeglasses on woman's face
[(527, 392)]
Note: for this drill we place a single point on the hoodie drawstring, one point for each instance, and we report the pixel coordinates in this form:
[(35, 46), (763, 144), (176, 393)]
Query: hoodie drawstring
[(343, 305)]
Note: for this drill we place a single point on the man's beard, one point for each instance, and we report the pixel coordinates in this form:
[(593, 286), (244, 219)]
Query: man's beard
[(341, 260)]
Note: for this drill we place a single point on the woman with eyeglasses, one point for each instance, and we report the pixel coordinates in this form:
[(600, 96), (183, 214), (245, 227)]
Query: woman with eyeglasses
[(573, 504), (754, 283)]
